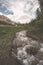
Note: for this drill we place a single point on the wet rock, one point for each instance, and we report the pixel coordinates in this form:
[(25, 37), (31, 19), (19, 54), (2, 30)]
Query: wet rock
[(17, 43), (39, 55), (18, 62), (33, 60), (41, 45), (41, 62), (36, 44), (32, 49)]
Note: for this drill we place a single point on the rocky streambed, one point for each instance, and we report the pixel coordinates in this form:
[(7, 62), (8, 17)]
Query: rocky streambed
[(26, 50)]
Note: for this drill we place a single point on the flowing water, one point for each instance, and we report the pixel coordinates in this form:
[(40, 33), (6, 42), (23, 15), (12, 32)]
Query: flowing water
[(27, 50)]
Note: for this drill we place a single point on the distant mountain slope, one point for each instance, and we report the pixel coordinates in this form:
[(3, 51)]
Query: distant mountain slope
[(5, 20)]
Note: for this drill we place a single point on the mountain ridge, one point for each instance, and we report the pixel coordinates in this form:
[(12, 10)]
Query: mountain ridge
[(5, 20)]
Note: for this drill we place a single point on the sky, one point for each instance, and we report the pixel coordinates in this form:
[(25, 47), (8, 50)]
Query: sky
[(22, 11)]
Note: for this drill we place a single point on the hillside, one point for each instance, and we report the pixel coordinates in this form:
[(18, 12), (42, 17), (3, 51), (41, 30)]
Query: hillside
[(35, 28), (5, 20)]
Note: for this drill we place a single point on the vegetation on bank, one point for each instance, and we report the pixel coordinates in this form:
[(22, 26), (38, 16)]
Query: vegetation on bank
[(35, 28)]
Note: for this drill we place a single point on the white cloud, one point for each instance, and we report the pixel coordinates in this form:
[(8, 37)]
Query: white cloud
[(22, 8)]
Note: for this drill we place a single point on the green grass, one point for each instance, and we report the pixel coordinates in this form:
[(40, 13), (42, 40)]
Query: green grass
[(7, 34)]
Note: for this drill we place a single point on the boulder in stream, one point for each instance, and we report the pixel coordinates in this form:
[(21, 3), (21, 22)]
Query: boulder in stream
[(32, 49)]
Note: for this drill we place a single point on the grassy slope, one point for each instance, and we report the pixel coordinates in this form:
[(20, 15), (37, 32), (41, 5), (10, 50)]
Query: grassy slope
[(7, 33)]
